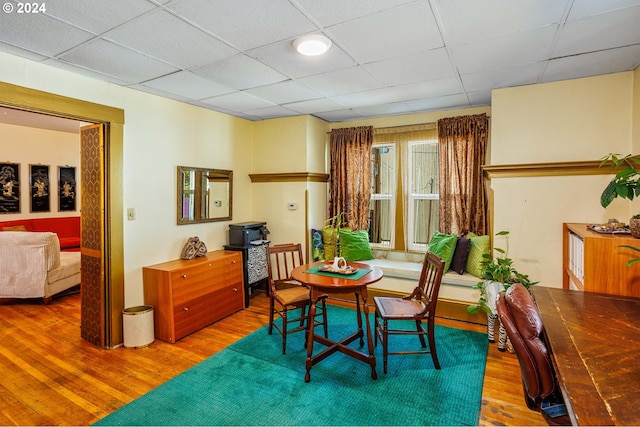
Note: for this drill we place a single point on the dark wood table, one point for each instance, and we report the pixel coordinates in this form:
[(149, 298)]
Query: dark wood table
[(322, 285), (594, 341)]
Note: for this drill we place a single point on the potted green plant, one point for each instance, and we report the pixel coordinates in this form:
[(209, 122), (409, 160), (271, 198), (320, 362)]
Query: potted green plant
[(498, 274), (625, 184)]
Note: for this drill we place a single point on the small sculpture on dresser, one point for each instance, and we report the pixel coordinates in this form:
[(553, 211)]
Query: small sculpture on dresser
[(193, 248)]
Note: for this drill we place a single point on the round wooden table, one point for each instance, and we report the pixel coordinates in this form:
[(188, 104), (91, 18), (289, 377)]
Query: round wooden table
[(320, 285)]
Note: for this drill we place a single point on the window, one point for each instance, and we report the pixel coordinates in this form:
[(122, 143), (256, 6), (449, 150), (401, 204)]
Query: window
[(383, 201), (415, 198), (423, 195)]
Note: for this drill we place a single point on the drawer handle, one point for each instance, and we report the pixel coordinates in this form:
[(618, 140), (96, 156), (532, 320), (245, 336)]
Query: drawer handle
[(186, 309), (209, 265), (184, 276), (233, 262), (235, 289)]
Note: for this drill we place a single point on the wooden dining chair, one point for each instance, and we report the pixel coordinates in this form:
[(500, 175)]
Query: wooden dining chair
[(521, 319), (419, 307), (287, 294)]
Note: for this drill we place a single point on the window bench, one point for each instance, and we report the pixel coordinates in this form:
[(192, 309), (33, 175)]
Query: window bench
[(401, 277)]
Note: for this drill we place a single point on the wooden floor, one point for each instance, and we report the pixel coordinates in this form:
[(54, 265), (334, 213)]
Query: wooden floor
[(50, 376)]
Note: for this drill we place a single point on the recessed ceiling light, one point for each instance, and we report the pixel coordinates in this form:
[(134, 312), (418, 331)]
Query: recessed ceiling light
[(312, 45)]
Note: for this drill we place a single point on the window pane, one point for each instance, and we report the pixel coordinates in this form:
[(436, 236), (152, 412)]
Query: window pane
[(425, 221), (380, 225), (423, 198), (424, 174), (382, 214)]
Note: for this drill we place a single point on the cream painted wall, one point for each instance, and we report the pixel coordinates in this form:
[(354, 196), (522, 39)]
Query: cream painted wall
[(159, 135), (25, 145), (582, 119), (286, 145)]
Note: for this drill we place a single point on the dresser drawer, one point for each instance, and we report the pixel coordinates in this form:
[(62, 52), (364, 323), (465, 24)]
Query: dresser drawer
[(188, 295)]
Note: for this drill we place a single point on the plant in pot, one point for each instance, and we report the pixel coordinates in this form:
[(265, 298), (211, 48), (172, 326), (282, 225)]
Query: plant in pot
[(625, 184), (498, 274)]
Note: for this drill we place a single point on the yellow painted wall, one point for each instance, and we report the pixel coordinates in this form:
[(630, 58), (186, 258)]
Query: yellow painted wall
[(25, 146), (582, 119)]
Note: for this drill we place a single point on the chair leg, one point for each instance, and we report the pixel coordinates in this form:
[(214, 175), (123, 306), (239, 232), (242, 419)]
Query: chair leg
[(283, 317), (420, 331), (432, 344), (270, 316), (385, 345), (324, 318), (376, 328)]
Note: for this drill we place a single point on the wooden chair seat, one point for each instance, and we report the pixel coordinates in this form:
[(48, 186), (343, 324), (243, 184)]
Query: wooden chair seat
[(287, 294), (419, 307)]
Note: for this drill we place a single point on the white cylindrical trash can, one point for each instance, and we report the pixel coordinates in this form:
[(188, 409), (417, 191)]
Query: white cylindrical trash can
[(137, 326)]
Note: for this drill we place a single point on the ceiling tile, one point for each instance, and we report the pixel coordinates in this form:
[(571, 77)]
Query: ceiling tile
[(188, 85), (238, 101), (430, 65), (284, 92), (331, 12), (505, 51), (272, 112), (393, 109), (240, 72), (170, 39), (108, 58), (465, 21), (505, 77), (614, 29), (592, 64), (440, 103), (245, 24), (348, 80), (34, 32), (315, 105), (584, 8), (111, 13), (401, 31), (339, 115)]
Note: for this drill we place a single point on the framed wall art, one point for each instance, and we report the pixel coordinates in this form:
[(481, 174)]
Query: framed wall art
[(66, 188), (40, 201), (10, 188)]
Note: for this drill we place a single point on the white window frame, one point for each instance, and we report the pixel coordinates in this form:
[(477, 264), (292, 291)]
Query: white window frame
[(413, 246), (391, 197)]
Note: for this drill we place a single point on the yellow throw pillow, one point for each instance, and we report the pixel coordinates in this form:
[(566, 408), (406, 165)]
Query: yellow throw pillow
[(479, 245)]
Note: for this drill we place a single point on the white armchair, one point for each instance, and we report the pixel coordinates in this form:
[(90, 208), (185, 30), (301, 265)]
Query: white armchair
[(32, 266)]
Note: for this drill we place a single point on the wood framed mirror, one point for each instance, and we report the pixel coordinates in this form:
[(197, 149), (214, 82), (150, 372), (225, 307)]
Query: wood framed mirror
[(204, 195)]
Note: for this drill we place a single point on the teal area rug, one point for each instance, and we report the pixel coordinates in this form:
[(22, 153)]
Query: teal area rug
[(252, 383)]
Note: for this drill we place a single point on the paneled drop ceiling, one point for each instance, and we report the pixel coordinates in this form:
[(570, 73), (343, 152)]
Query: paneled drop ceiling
[(389, 57)]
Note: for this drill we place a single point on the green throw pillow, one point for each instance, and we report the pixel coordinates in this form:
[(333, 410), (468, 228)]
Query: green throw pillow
[(354, 245), (443, 245), (479, 245)]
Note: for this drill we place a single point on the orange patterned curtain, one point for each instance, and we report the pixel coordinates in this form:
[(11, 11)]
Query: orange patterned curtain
[(350, 175), (463, 197)]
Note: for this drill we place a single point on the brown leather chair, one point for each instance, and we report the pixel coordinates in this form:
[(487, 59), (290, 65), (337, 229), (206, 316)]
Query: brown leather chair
[(521, 319), (419, 306), (287, 294)]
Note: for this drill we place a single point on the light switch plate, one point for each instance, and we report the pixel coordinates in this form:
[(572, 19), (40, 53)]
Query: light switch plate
[(131, 214)]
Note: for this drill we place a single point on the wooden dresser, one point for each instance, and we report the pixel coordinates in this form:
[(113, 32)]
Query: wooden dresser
[(595, 262), (188, 295)]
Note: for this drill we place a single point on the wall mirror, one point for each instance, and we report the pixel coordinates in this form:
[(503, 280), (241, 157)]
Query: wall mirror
[(204, 195)]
